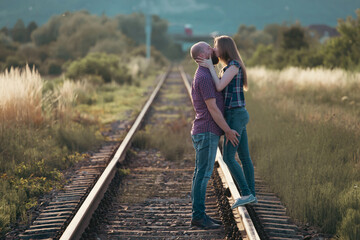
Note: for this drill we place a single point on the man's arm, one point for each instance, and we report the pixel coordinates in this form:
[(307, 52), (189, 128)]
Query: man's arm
[(231, 135)]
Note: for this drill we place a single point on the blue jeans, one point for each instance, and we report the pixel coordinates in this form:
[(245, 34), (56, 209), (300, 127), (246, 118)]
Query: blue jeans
[(237, 118), (205, 145)]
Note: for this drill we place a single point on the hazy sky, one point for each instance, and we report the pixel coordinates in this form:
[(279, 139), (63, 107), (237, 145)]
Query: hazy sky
[(205, 16)]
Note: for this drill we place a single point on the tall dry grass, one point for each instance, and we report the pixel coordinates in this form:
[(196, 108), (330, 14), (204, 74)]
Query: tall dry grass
[(65, 96), (21, 96), (23, 100), (35, 141), (304, 78), (304, 139), (317, 95)]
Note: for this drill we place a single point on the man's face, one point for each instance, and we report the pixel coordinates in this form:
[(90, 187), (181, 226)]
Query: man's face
[(206, 51)]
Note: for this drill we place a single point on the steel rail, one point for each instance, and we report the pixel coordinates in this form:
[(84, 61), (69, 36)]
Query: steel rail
[(247, 228), (82, 217)]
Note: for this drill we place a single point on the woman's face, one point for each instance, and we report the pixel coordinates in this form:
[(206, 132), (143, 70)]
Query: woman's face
[(216, 50)]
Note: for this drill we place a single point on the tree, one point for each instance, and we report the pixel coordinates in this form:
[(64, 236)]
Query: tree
[(49, 32), (263, 56), (19, 32), (275, 31), (248, 38), (344, 51), (133, 26), (294, 38), (5, 31), (29, 29)]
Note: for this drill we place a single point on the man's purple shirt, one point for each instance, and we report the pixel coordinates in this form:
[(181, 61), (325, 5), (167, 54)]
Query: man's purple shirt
[(204, 88)]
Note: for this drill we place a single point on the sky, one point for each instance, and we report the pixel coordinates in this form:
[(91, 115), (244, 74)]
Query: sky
[(205, 16)]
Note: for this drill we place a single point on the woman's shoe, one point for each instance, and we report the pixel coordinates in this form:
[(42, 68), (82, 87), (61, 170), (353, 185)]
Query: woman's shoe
[(243, 200)]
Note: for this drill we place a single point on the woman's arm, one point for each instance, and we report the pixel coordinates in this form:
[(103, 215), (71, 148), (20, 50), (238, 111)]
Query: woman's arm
[(226, 78)]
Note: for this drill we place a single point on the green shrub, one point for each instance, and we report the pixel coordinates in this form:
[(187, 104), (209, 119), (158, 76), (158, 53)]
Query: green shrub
[(343, 51), (76, 137), (263, 56), (30, 160), (155, 54), (54, 67), (280, 58), (101, 64), (14, 61)]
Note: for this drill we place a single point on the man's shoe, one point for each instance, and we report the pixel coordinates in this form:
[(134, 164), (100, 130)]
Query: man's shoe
[(204, 224), (214, 220), (243, 200)]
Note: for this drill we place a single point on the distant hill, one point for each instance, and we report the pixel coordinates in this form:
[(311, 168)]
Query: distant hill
[(205, 16)]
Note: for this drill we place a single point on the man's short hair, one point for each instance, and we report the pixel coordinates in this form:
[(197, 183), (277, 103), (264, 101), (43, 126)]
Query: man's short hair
[(196, 49)]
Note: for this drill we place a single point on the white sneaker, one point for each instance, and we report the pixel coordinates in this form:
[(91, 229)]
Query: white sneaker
[(244, 200)]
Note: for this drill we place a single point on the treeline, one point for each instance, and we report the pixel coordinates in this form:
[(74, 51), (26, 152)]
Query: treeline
[(279, 46), (71, 36)]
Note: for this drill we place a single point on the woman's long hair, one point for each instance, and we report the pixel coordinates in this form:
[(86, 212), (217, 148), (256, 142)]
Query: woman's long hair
[(228, 51)]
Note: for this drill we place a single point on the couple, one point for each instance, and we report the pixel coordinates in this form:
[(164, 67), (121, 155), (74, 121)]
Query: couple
[(220, 108)]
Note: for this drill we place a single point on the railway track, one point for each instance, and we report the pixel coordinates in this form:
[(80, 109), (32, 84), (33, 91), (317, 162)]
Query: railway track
[(153, 201)]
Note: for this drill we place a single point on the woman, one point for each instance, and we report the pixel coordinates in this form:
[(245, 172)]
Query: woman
[(233, 83)]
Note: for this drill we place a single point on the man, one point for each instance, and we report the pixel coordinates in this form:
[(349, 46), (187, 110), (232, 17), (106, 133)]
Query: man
[(208, 126)]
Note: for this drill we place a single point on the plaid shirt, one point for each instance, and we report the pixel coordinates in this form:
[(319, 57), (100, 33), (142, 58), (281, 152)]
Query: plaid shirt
[(234, 91), (203, 88)]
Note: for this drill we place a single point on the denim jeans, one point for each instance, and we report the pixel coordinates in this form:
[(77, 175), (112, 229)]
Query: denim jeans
[(237, 118), (205, 145)]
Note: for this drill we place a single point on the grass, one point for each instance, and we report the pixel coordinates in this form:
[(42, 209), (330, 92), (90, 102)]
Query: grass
[(21, 96), (335, 91), (305, 142), (310, 165), (107, 98), (31, 163), (304, 139), (172, 140), (38, 139), (46, 124)]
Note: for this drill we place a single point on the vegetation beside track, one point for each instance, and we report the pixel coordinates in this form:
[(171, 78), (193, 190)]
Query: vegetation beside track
[(46, 125), (304, 141)]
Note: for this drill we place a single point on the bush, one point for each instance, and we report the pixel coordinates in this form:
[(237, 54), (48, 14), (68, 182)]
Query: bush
[(30, 163), (263, 56), (72, 35), (77, 137), (49, 32), (4, 53), (110, 46), (343, 51), (14, 61), (279, 59), (155, 55), (294, 38), (105, 65), (54, 67)]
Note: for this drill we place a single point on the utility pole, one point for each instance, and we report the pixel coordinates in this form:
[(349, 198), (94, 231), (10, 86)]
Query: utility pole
[(148, 33)]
